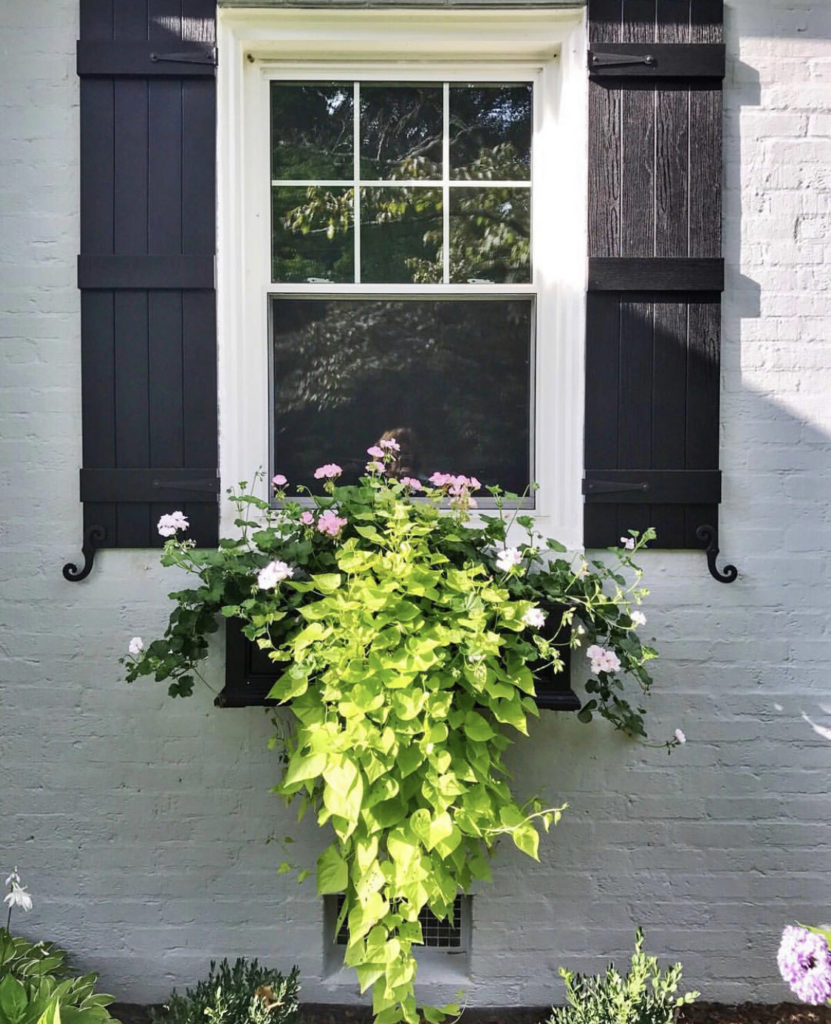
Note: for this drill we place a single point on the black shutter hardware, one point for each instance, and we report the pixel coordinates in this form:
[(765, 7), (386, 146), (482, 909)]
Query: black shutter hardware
[(146, 271), (655, 273)]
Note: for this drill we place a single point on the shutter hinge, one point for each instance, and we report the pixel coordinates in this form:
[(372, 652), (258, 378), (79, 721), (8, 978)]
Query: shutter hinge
[(612, 486), (204, 57), (609, 60)]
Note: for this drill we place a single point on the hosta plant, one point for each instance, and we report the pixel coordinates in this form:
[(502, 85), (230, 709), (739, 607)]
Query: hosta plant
[(407, 634), (646, 995), (36, 987)]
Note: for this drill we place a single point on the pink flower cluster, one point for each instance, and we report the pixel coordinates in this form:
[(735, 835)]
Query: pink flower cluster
[(279, 480), (603, 660), (412, 483), (331, 471), (455, 484), (330, 522), (459, 488)]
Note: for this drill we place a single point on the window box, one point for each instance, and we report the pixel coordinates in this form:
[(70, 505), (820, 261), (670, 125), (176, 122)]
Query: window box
[(249, 675)]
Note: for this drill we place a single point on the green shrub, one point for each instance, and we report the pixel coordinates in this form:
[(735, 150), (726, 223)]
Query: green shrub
[(644, 996), (243, 994), (36, 988)]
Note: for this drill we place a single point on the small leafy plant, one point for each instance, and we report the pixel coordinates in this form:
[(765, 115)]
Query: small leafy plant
[(36, 988), (645, 995), (409, 636), (244, 993)]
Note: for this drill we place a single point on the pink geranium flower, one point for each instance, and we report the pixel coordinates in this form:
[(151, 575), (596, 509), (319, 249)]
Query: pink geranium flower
[(328, 472), (307, 518), (330, 522), (279, 480)]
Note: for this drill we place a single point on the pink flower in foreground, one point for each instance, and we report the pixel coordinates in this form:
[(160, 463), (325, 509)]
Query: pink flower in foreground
[(628, 543), (307, 518), (328, 472), (330, 522), (374, 467), (441, 479), (390, 444), (375, 452), (170, 524), (279, 480), (602, 660), (412, 483)]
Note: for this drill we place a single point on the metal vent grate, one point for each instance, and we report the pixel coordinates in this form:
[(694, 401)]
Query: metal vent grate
[(437, 934)]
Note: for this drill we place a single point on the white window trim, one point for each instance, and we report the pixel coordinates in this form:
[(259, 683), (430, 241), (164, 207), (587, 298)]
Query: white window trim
[(547, 44)]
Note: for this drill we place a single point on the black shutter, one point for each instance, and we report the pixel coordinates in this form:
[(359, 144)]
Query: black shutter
[(655, 270), (146, 269)]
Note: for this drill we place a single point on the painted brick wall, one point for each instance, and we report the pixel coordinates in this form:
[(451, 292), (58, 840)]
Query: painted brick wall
[(141, 824)]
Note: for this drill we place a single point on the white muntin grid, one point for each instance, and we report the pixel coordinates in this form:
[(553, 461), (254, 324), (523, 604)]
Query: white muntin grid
[(422, 76)]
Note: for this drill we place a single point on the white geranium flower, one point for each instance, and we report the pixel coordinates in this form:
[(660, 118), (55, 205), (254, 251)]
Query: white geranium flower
[(136, 646), (638, 618), (679, 736), (168, 525), (628, 543), (274, 573), (507, 559), (534, 617)]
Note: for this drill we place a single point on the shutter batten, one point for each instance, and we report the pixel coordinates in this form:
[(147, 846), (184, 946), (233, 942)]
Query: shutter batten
[(146, 268), (655, 270)]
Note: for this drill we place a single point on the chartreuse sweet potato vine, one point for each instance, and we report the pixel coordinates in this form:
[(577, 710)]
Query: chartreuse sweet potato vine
[(409, 637)]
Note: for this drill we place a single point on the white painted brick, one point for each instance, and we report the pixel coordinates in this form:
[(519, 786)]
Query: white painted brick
[(141, 824)]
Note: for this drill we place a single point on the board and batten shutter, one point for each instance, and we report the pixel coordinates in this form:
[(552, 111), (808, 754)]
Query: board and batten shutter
[(146, 270), (655, 273)]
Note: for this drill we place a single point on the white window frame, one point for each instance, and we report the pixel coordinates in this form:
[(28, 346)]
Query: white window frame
[(548, 46)]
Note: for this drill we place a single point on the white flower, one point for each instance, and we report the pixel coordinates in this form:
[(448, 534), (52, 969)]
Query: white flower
[(13, 877), (602, 660), (507, 559), (534, 617), (168, 525), (136, 646), (18, 897), (638, 618), (679, 736), (628, 543), (272, 574)]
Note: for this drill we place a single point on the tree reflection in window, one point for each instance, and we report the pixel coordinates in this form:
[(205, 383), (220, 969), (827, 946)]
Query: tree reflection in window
[(405, 133)]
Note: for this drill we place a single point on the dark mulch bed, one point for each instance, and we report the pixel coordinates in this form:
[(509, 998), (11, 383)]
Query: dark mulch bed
[(700, 1013)]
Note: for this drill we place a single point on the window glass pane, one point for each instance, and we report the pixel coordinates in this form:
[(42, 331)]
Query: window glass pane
[(312, 234), (455, 373), (490, 235), (311, 130), (401, 235), (490, 132), (401, 131)]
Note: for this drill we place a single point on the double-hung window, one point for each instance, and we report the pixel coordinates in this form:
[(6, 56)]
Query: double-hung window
[(401, 219)]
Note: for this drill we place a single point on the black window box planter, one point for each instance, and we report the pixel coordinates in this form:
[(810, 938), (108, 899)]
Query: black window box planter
[(250, 674)]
